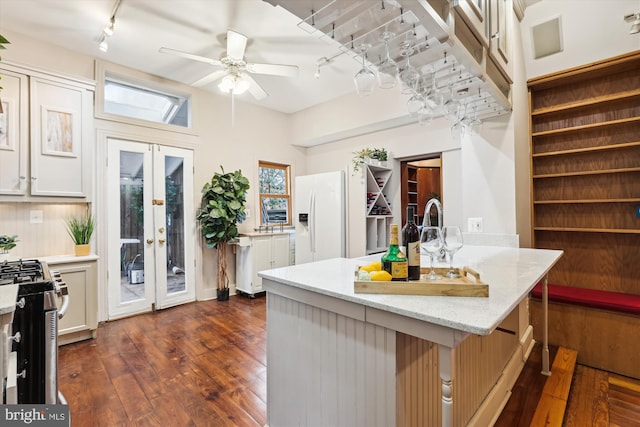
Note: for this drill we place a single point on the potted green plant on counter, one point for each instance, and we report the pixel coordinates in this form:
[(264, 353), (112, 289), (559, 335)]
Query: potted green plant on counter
[(6, 244), (81, 228), (222, 209)]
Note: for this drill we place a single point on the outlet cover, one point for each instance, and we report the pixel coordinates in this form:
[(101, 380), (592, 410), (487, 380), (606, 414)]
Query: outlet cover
[(474, 225), (35, 217)]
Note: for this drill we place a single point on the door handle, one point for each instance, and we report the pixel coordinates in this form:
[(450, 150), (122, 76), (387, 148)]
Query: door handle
[(149, 241), (161, 241)]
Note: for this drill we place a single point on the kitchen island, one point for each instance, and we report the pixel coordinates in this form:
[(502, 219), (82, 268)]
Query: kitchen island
[(336, 358)]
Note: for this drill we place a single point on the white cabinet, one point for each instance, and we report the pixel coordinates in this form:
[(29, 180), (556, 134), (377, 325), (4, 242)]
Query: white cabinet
[(80, 322), (56, 115), (260, 252), (500, 36), (378, 209)]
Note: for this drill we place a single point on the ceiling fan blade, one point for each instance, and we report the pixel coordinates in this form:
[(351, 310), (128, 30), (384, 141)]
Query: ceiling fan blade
[(274, 69), (212, 77), (189, 56), (254, 88), (236, 45)]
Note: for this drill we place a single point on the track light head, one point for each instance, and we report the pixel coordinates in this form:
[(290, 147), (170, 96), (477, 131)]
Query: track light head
[(635, 25)]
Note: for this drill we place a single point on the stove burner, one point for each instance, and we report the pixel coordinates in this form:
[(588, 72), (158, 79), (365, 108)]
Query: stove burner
[(22, 271)]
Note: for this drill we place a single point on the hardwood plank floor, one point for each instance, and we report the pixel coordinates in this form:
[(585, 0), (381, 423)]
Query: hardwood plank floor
[(200, 364), (204, 364)]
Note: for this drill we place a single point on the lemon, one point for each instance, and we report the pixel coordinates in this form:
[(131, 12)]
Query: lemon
[(374, 266), (380, 276)]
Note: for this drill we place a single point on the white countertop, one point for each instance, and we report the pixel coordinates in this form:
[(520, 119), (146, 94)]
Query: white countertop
[(511, 274), (267, 234), (8, 295)]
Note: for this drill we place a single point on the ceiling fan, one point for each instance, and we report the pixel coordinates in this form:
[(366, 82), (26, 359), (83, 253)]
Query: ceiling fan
[(235, 72)]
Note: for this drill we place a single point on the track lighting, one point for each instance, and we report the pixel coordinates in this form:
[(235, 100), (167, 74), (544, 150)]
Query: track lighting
[(635, 25), (104, 45), (107, 32)]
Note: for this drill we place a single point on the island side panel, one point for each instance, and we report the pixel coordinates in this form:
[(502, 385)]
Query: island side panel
[(325, 368)]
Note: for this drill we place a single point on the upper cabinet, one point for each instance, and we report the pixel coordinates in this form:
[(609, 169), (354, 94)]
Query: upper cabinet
[(500, 43), (46, 135)]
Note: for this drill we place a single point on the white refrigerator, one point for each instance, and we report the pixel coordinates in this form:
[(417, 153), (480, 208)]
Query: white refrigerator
[(320, 217)]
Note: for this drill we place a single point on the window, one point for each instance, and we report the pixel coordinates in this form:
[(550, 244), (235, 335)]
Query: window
[(275, 197)]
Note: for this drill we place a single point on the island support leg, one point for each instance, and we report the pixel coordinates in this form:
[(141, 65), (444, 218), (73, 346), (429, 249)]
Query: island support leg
[(545, 332), (446, 364)]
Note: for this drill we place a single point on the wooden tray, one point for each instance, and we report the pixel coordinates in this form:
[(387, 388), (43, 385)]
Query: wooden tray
[(460, 287)]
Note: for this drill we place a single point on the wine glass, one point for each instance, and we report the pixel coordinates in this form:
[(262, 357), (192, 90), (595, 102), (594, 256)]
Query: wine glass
[(388, 69), (365, 78), (452, 243), (409, 76), (431, 241)]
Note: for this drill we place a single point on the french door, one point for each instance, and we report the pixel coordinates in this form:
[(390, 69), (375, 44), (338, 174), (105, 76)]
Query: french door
[(151, 227)]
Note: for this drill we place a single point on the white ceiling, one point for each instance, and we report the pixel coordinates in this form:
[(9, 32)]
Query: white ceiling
[(196, 26)]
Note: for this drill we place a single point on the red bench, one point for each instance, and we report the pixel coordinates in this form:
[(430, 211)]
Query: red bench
[(607, 300)]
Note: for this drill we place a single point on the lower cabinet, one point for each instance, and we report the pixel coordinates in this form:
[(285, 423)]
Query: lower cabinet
[(80, 321), (260, 252)]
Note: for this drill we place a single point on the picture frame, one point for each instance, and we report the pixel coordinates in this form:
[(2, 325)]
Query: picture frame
[(59, 127), (7, 139)]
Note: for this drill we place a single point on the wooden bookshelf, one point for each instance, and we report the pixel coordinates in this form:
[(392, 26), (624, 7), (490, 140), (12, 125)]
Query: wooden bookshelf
[(585, 172)]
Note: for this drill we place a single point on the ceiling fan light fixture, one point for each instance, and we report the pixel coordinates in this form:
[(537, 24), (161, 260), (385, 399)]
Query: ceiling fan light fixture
[(241, 85), (234, 83)]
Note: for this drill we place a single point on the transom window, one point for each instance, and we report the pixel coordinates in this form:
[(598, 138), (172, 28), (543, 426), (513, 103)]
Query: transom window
[(275, 193)]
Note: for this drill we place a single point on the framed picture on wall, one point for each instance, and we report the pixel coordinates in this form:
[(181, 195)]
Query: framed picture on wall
[(6, 141), (58, 132)]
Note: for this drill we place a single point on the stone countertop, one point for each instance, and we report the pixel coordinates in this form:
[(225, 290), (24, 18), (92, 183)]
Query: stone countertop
[(8, 295), (510, 272)]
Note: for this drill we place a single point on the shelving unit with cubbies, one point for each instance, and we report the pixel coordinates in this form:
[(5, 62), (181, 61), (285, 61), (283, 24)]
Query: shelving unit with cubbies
[(378, 208)]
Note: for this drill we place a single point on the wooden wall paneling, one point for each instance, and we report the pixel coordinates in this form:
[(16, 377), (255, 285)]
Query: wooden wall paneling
[(589, 216), (588, 187), (603, 136), (621, 158)]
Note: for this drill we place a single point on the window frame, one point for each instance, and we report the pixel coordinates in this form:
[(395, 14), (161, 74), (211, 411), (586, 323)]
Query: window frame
[(287, 195)]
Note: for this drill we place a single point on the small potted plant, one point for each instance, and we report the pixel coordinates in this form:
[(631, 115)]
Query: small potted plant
[(81, 228), (375, 156), (222, 208), (6, 244)]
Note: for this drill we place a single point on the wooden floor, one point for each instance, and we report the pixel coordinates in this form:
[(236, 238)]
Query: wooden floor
[(200, 364), (204, 364)]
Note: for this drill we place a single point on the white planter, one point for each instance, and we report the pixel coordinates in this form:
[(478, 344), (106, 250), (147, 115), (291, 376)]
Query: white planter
[(4, 256)]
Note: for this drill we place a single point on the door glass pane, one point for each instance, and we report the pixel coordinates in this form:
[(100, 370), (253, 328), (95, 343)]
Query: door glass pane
[(131, 226), (174, 195)]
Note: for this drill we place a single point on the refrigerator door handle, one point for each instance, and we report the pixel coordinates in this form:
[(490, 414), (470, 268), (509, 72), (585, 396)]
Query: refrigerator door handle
[(312, 225)]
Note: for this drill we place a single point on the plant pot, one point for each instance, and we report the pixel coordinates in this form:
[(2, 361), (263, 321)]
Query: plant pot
[(82, 250), (223, 294), (4, 256)]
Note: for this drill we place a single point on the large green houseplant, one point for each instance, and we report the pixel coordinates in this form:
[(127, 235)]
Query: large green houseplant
[(221, 211)]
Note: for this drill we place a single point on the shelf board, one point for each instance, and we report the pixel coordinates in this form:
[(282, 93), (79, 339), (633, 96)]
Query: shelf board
[(583, 201), (630, 94), (586, 127), (587, 150), (587, 173), (590, 230)]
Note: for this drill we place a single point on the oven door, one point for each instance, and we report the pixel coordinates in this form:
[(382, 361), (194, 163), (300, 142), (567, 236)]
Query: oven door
[(11, 393)]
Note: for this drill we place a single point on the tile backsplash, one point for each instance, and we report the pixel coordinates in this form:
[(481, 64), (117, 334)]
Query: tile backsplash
[(48, 238)]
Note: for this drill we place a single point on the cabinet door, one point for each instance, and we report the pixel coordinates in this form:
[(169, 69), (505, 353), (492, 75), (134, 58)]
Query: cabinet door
[(14, 122), (500, 35), (60, 133), (261, 248), (474, 13), (280, 250)]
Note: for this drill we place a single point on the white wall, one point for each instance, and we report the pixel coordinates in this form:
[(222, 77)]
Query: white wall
[(592, 30)]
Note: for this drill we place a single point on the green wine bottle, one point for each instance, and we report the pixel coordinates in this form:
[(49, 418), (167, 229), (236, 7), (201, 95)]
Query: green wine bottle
[(394, 261), (411, 243)]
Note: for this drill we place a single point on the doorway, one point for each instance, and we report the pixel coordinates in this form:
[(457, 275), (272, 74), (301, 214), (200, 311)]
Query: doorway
[(151, 227), (421, 180)]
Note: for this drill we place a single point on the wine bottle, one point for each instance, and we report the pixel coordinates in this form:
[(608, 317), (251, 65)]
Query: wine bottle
[(411, 242), (394, 261)]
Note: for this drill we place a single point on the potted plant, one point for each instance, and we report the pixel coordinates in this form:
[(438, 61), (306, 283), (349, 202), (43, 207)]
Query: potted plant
[(81, 228), (366, 155), (6, 244), (221, 211)]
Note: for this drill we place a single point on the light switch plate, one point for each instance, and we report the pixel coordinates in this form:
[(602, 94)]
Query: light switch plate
[(474, 225), (35, 217)]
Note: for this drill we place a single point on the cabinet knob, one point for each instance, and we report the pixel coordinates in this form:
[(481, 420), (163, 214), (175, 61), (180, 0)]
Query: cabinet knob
[(161, 230), (149, 241), (161, 241), (495, 36), (33, 178)]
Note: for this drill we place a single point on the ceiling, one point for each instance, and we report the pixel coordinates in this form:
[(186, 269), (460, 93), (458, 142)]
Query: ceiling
[(195, 26)]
